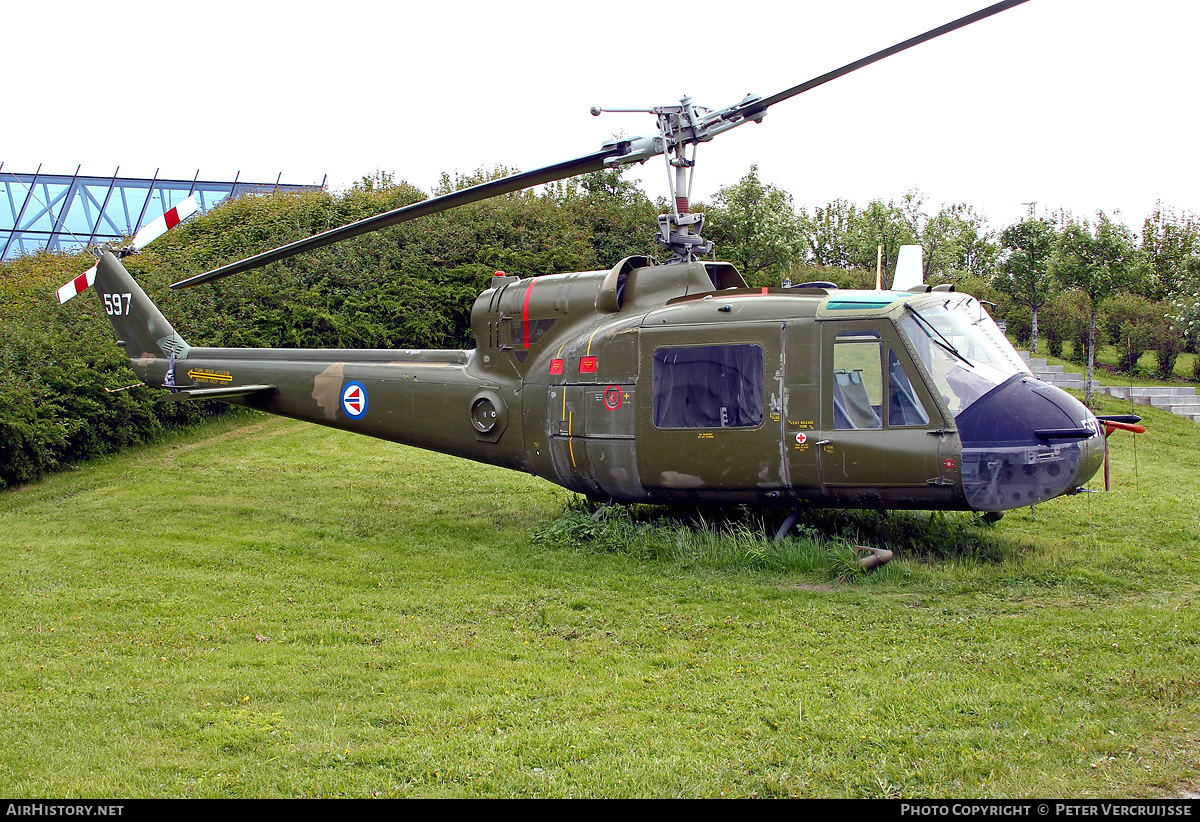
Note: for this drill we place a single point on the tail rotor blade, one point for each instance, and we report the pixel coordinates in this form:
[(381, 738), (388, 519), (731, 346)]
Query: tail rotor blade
[(147, 234), (80, 283), (154, 229)]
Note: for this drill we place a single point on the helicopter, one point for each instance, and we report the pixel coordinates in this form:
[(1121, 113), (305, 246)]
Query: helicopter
[(673, 382)]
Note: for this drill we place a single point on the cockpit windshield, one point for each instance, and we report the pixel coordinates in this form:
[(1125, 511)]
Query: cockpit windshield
[(962, 348)]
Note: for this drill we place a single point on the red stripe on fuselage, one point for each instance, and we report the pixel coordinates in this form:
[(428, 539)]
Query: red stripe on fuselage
[(525, 312)]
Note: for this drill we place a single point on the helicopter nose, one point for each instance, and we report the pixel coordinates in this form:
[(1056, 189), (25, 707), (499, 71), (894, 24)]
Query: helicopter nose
[(1025, 442)]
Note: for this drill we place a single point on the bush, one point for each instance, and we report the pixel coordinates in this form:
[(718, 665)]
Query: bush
[(409, 286), (1167, 346), (842, 277), (1051, 325), (1019, 324), (1061, 320), (1132, 324), (978, 287)]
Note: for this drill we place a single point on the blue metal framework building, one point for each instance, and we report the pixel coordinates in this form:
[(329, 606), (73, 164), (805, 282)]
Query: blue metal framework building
[(61, 212)]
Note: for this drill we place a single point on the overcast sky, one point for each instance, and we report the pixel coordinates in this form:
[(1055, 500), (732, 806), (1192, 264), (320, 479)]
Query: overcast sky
[(1076, 104)]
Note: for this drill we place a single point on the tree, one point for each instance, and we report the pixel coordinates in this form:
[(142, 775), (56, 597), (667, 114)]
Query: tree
[(1170, 245), (755, 226), (1028, 246), (955, 241), (1098, 262), (884, 224), (956, 244), (614, 212), (1184, 313), (829, 234)]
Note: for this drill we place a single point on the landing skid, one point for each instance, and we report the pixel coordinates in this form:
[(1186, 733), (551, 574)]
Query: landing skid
[(868, 557)]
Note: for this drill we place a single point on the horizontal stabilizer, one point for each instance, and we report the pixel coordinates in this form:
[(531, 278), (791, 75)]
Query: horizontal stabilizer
[(1063, 433), (1128, 419), (214, 393)]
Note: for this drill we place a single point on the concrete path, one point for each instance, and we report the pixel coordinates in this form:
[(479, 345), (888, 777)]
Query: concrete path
[(1181, 401)]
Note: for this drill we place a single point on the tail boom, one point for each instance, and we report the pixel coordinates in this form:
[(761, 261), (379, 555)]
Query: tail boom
[(423, 398)]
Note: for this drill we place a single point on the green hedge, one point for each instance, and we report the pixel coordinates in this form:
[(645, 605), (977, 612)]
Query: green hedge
[(411, 286)]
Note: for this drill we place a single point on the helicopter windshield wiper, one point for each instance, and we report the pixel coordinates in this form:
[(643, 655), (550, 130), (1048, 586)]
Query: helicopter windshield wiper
[(943, 342)]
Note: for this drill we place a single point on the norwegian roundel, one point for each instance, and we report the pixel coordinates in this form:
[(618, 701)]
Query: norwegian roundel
[(354, 399)]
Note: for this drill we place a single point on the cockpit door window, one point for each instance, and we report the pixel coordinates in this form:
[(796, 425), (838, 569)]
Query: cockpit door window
[(860, 386), (875, 444), (857, 381)]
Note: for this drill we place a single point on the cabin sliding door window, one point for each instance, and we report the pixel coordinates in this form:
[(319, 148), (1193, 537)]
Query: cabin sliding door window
[(708, 386)]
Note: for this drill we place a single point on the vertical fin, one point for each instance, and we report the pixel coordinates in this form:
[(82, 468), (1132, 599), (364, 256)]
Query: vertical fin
[(140, 326), (909, 271)]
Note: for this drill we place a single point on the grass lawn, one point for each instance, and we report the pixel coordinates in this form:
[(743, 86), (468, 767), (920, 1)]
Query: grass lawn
[(262, 608)]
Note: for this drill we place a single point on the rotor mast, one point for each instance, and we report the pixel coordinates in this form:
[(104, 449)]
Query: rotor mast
[(680, 230), (679, 127)]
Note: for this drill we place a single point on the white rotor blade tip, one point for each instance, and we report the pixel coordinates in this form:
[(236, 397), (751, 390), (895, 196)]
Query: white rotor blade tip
[(159, 226), (76, 285)]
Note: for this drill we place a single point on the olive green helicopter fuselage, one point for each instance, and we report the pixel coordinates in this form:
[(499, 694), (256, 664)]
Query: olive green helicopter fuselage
[(674, 382), (678, 383)]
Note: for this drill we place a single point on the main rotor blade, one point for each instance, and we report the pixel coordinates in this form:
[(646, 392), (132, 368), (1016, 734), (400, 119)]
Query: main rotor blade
[(759, 106), (492, 188), (729, 118)]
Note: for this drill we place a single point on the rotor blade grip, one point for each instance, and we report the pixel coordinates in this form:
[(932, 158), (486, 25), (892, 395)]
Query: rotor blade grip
[(760, 106), (492, 188)]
